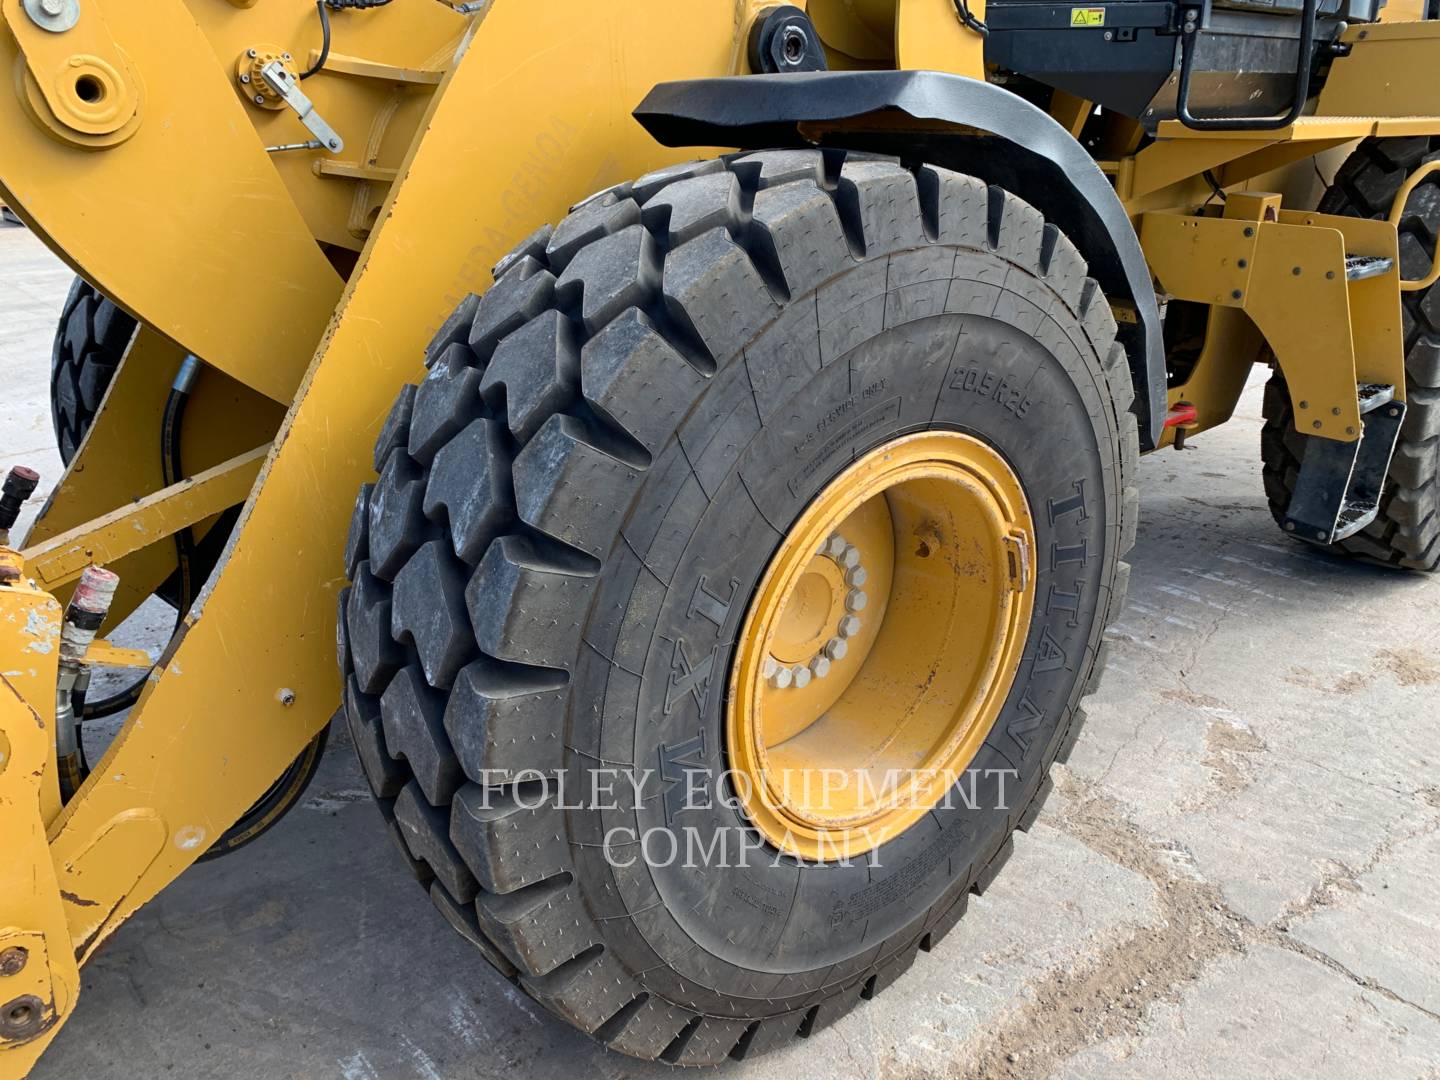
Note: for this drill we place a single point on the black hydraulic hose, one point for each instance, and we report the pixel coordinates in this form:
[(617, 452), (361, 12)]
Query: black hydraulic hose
[(324, 7), (324, 43), (962, 8), (172, 472)]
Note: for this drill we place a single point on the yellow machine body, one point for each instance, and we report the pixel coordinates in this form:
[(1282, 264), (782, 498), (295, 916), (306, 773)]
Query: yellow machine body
[(312, 283)]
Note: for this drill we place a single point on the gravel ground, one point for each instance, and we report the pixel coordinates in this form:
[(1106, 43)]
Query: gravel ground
[(1238, 873)]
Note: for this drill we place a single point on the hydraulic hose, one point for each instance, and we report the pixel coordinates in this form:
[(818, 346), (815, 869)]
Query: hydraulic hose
[(172, 472)]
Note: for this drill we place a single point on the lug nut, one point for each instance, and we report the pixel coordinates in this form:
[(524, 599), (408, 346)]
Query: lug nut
[(768, 667), (835, 546), (836, 648), (820, 667), (856, 577), (802, 676), (849, 626), (782, 678), (855, 600), (850, 558)]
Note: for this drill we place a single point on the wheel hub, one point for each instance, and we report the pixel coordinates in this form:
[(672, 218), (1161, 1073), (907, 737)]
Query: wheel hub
[(880, 645)]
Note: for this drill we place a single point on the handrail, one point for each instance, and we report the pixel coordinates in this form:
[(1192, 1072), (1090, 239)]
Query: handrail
[(1190, 31)]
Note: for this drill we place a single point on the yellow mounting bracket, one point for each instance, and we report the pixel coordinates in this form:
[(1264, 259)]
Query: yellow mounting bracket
[(1287, 271), (109, 538), (78, 82)]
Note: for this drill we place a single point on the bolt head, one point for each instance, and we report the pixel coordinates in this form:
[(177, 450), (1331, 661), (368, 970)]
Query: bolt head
[(245, 79), (802, 676), (768, 667), (850, 557), (855, 600), (12, 960), (259, 99), (286, 697), (782, 678), (856, 577), (836, 648), (52, 7), (835, 546), (849, 626), (820, 667)]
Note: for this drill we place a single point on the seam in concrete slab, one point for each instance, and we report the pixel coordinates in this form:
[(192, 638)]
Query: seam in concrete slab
[(1105, 996), (1345, 877)]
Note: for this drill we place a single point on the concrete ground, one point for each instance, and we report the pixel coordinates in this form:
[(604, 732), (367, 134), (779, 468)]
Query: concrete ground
[(1238, 873)]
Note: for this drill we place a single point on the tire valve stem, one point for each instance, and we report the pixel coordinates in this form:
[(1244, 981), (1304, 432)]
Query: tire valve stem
[(83, 615)]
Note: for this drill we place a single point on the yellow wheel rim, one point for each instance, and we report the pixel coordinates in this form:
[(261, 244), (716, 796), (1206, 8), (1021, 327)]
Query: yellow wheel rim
[(881, 645)]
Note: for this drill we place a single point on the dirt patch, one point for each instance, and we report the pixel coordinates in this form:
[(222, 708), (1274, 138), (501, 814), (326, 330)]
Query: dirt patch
[(1352, 682), (1411, 667), (1107, 995), (1227, 750), (1185, 696)]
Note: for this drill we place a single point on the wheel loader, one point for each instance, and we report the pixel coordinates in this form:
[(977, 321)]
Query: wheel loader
[(693, 444)]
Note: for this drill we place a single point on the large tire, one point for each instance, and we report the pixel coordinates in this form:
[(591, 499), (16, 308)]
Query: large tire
[(1407, 531), (90, 342), (616, 422)]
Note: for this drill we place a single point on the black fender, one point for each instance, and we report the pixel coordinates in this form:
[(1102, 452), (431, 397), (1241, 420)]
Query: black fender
[(955, 122)]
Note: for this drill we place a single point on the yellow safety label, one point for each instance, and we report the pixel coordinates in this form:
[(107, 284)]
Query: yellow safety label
[(1087, 16)]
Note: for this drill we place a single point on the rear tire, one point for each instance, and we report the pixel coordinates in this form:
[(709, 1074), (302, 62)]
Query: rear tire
[(574, 506), (90, 342), (1407, 531)]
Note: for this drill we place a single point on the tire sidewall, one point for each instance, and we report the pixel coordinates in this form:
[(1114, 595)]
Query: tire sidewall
[(1012, 367)]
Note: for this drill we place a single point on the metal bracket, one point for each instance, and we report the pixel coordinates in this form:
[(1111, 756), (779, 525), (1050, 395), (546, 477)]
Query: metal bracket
[(77, 82), (288, 87)]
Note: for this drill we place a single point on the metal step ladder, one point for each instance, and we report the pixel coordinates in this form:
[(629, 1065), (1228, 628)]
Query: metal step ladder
[(1340, 483)]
